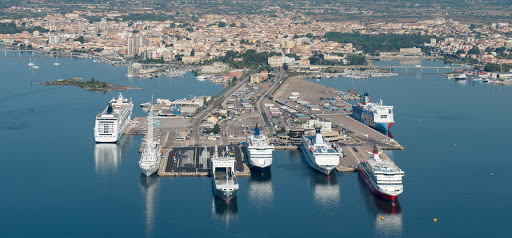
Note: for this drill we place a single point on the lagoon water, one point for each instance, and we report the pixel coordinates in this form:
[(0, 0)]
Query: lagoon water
[(56, 182)]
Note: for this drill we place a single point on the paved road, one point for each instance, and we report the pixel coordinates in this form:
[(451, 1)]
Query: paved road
[(259, 105), (196, 121)]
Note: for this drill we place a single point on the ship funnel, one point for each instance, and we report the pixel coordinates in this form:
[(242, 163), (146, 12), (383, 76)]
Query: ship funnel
[(256, 130), (318, 135), (109, 109), (376, 153), (366, 98), (120, 99)]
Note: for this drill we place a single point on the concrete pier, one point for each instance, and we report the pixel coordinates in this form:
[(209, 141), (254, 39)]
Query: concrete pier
[(196, 161)]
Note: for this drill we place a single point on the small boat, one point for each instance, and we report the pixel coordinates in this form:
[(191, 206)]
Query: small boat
[(30, 63), (461, 77), (201, 78), (145, 105), (56, 62), (353, 91)]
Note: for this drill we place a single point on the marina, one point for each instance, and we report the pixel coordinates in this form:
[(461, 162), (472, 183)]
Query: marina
[(110, 176), (185, 158)]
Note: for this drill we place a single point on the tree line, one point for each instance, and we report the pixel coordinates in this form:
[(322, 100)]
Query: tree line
[(382, 42), (11, 28)]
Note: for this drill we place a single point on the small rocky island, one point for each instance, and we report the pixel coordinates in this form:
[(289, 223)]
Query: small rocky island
[(91, 85)]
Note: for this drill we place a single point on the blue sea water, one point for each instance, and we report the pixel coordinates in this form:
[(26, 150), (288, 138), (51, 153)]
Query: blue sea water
[(56, 182)]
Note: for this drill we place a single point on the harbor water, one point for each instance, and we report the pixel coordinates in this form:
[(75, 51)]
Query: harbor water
[(57, 182)]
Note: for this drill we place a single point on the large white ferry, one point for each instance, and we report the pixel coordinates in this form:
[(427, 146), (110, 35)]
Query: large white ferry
[(319, 153), (376, 115), (152, 155), (259, 150), (224, 181), (113, 121), (382, 176)]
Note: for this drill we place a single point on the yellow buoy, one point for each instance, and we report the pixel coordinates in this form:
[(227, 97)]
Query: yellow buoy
[(454, 144), (382, 218), (435, 220), (420, 120)]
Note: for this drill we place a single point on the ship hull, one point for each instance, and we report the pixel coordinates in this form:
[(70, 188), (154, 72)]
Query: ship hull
[(257, 162), (108, 127), (368, 120), (149, 172), (105, 139), (224, 195), (383, 126), (310, 159), (116, 136), (260, 162), (152, 169), (387, 197)]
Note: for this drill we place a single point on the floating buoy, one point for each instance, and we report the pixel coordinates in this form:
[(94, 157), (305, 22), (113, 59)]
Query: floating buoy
[(382, 218), (454, 144), (393, 204), (492, 174), (261, 174), (435, 220), (420, 120)]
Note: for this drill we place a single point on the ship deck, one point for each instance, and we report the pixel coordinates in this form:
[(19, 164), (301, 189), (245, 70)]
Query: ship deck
[(353, 155)]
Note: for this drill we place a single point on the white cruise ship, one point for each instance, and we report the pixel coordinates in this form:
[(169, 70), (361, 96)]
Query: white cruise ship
[(113, 121), (151, 157), (259, 150), (382, 176), (319, 153), (224, 181)]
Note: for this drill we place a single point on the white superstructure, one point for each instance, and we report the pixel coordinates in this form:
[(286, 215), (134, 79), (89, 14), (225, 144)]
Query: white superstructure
[(151, 157), (376, 115), (113, 121), (380, 113), (319, 153), (259, 150), (224, 181)]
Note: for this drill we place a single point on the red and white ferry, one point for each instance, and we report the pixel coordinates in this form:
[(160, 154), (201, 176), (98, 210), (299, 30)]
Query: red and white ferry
[(382, 176)]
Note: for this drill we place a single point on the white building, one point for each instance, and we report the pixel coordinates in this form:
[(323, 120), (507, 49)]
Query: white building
[(53, 39), (275, 61), (134, 43)]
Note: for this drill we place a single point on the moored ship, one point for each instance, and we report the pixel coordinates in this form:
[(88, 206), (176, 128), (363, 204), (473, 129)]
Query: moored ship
[(113, 121), (224, 180), (319, 152), (375, 115), (259, 150), (151, 157), (382, 176)]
